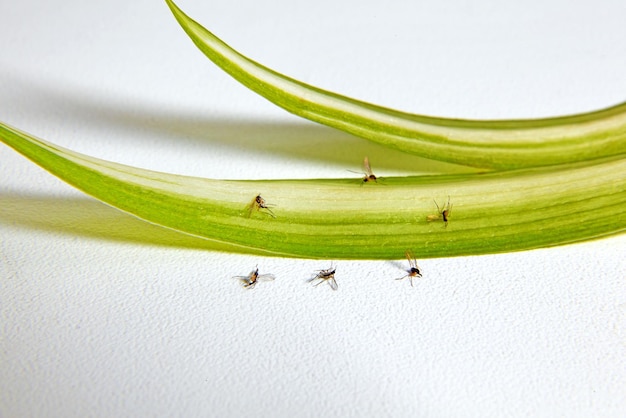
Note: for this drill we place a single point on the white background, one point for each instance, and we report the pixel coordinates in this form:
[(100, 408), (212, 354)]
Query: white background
[(105, 315)]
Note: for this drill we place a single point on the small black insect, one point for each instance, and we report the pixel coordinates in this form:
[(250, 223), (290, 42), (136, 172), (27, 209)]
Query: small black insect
[(414, 270), (259, 204), (327, 275), (251, 279)]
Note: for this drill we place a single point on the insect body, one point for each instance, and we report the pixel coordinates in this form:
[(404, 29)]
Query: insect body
[(443, 214), (414, 270), (251, 279), (259, 204), (327, 275)]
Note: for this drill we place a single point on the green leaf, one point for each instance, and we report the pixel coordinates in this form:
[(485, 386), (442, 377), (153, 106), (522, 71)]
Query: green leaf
[(350, 219), (502, 144)]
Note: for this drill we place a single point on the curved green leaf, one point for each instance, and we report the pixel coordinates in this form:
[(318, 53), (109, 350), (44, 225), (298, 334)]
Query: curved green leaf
[(344, 218), (503, 144)]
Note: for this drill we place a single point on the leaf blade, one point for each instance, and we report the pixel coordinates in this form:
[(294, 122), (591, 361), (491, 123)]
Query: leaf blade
[(340, 218), (496, 144)]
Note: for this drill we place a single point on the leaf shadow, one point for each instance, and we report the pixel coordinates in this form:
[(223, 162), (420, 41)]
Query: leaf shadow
[(153, 123), (89, 218)]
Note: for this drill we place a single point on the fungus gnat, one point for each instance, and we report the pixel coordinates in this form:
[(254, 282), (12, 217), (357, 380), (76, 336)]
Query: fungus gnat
[(327, 275), (443, 214), (251, 279), (414, 270), (369, 176), (259, 203)]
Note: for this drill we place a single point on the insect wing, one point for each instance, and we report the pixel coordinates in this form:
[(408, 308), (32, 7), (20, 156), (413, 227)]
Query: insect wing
[(366, 167), (256, 203), (411, 258), (332, 283), (250, 207), (431, 218), (266, 277), (245, 281)]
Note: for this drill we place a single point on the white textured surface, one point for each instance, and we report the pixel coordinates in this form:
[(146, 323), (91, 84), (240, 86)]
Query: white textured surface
[(103, 315)]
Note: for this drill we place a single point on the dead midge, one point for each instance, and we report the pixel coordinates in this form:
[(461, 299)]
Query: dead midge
[(368, 175), (251, 279), (414, 270), (260, 205), (443, 214), (327, 275)]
